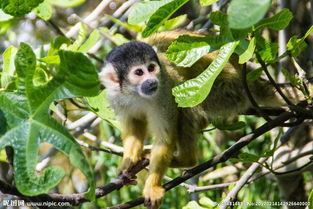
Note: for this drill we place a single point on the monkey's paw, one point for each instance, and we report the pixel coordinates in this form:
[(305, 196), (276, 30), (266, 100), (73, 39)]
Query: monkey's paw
[(153, 196), (125, 165)]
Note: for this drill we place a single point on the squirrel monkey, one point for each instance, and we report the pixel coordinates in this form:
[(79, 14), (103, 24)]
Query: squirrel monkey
[(139, 85)]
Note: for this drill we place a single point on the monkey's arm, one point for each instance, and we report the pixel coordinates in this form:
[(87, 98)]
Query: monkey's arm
[(161, 156), (133, 135)]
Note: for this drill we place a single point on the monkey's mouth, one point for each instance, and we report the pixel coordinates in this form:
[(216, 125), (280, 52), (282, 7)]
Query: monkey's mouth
[(149, 87), (150, 91)]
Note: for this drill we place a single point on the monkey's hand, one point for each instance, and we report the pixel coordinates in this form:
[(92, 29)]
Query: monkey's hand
[(127, 163), (153, 194)]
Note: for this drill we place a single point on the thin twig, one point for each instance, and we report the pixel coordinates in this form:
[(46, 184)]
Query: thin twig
[(93, 148), (92, 16), (250, 96), (239, 184), (272, 80)]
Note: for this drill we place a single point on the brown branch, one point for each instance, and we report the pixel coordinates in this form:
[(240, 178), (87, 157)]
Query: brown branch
[(77, 199), (241, 182), (222, 157), (272, 80), (270, 111), (250, 96)]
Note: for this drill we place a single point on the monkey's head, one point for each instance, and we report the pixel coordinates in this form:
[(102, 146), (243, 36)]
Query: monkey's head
[(132, 69)]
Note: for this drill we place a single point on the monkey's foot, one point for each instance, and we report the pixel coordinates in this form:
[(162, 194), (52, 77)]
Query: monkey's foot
[(153, 196)]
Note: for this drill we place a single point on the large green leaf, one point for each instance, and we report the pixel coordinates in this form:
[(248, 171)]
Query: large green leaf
[(245, 13), (161, 15), (142, 11), (18, 7), (194, 91), (28, 123), (187, 50), (278, 22)]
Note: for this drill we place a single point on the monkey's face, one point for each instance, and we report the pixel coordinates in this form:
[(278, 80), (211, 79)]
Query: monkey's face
[(132, 69), (144, 78)]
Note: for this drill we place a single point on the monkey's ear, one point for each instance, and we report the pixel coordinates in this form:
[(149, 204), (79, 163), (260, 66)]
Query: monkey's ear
[(155, 49), (109, 78)]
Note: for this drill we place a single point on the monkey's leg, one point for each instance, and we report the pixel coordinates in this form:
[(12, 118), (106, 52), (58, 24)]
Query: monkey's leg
[(133, 135), (161, 157)]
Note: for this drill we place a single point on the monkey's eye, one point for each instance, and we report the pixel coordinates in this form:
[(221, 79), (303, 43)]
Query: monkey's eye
[(139, 72), (151, 67)]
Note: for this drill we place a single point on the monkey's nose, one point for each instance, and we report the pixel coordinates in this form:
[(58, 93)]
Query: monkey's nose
[(149, 86)]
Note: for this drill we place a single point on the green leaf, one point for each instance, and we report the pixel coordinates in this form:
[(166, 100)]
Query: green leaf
[(293, 79), (132, 27), (268, 50), (204, 3), (50, 59), (296, 46), (90, 42), (244, 57), (4, 16), (44, 11), (245, 13), (80, 39), (278, 22), (207, 202), (57, 44), (254, 75), (248, 158), (18, 7), (66, 3), (174, 22), (118, 39), (194, 91), (311, 200), (8, 66), (231, 127), (40, 77), (100, 106), (187, 50), (7, 25), (219, 18), (142, 11), (161, 15), (28, 123), (193, 205), (3, 156)]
